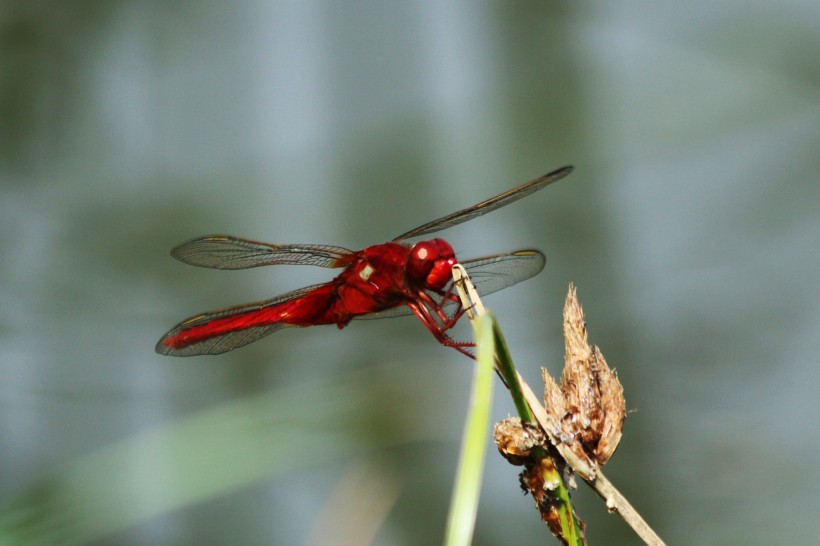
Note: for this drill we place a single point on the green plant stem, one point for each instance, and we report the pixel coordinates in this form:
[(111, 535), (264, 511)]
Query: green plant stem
[(464, 504)]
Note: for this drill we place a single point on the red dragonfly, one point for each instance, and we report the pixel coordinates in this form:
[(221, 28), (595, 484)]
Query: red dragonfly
[(386, 280)]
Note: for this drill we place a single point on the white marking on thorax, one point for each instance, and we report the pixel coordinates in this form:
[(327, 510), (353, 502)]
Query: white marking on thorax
[(365, 273)]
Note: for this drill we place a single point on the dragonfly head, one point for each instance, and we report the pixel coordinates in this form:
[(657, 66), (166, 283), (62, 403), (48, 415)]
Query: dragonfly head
[(431, 263)]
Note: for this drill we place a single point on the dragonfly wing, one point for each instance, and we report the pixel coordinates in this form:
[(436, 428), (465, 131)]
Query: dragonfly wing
[(487, 206), (225, 252), (489, 274), (492, 273), (226, 329)]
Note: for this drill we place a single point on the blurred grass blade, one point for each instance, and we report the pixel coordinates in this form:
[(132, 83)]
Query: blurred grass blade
[(464, 504), (218, 451)]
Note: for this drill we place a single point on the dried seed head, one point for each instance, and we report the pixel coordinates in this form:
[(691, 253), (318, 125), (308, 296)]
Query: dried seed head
[(515, 440), (589, 403)]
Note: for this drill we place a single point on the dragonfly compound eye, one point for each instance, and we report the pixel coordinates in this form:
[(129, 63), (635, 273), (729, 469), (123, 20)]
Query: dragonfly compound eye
[(431, 263)]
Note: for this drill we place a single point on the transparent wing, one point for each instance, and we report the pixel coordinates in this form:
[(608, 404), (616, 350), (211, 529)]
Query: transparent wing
[(493, 273), (487, 206), (225, 252), (489, 274), (226, 329)]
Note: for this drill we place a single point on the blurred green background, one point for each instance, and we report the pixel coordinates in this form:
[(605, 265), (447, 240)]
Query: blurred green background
[(690, 227)]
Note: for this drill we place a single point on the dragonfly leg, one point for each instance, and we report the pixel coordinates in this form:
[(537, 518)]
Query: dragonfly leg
[(442, 319), (430, 314)]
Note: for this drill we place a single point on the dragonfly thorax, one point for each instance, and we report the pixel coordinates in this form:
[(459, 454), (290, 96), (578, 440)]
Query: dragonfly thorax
[(430, 264)]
